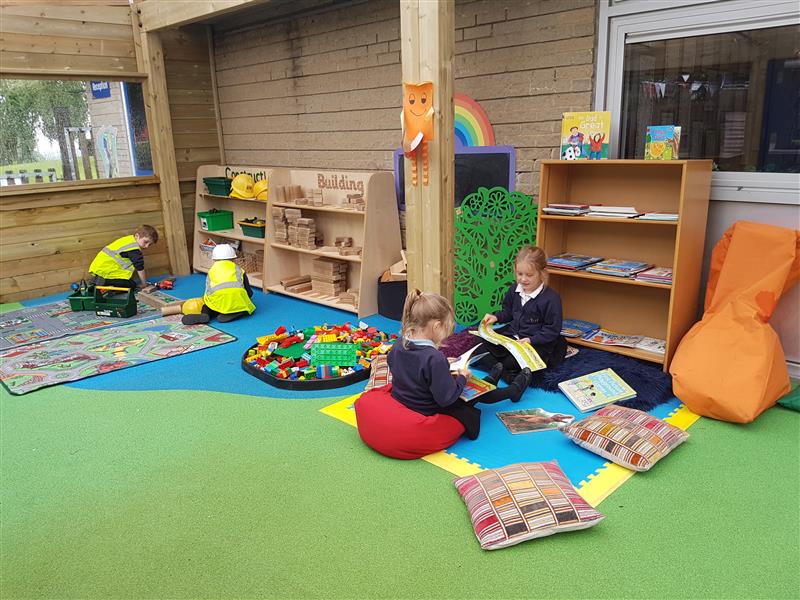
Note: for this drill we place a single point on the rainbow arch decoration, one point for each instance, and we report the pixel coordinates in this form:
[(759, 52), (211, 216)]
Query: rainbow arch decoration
[(472, 126)]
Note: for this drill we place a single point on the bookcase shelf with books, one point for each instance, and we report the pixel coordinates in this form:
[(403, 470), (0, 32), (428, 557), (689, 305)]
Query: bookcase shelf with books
[(626, 305)]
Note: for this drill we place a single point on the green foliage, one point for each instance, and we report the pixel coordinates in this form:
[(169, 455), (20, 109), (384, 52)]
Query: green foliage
[(491, 226), (28, 105)]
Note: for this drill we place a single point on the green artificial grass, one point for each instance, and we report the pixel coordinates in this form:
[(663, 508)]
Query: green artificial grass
[(44, 165), (211, 495)]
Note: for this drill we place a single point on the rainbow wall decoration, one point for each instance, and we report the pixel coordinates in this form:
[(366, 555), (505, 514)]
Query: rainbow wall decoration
[(472, 126)]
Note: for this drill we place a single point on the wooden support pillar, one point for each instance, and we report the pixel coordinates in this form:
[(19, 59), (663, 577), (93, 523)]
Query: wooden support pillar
[(162, 149), (427, 32)]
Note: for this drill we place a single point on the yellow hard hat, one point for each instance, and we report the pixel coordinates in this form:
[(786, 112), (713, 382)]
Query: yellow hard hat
[(260, 189), (242, 186), (193, 306)]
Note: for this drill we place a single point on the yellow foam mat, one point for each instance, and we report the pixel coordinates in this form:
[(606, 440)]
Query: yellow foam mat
[(596, 488)]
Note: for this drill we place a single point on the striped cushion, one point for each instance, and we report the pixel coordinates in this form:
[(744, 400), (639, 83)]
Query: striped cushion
[(626, 436), (379, 374), (523, 501)]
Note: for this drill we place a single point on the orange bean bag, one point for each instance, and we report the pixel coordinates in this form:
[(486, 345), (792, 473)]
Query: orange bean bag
[(396, 431), (730, 366)]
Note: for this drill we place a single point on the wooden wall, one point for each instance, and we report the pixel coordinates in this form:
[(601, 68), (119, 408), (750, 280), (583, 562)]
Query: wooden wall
[(93, 38), (49, 233), (191, 104), (322, 90)]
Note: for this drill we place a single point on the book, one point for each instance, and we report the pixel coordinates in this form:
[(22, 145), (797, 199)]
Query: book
[(585, 135), (662, 142), (466, 359), (525, 354), (656, 275), (564, 211), (618, 267), (610, 338), (569, 260), (627, 210), (577, 328), (533, 419), (568, 206), (597, 389), (611, 215), (654, 345), (475, 387), (659, 216)]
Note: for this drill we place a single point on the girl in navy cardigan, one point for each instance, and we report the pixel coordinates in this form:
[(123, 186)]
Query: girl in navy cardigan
[(421, 376), (532, 311)]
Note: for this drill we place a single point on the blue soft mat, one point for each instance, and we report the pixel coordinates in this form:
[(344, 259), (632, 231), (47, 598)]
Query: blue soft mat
[(218, 369)]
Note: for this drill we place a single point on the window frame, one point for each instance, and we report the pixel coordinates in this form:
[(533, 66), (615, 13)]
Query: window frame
[(622, 22)]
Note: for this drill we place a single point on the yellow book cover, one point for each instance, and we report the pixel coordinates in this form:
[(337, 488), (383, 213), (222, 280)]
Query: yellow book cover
[(585, 135)]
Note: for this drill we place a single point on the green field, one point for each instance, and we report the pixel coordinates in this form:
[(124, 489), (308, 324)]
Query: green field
[(44, 165)]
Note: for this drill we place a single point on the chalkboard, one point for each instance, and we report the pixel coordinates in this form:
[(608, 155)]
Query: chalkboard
[(480, 166)]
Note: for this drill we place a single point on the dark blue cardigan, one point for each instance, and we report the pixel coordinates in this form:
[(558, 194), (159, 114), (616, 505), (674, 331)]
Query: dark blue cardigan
[(540, 318)]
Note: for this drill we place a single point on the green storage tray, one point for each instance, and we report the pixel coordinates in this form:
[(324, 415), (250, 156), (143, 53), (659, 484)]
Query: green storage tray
[(218, 186), (114, 303), (79, 302), (216, 221), (253, 230)]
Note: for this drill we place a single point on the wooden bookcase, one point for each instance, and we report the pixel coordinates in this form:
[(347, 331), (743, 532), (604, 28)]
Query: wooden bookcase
[(376, 230), (619, 304)]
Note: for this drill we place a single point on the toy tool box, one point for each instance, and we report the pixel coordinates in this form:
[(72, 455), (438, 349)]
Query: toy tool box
[(215, 220), (112, 301), (218, 186), (82, 299)]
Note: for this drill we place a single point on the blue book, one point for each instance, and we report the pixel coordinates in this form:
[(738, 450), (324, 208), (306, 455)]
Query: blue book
[(568, 260), (577, 328)]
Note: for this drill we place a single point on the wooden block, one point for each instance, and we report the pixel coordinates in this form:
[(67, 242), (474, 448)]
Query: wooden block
[(295, 280)]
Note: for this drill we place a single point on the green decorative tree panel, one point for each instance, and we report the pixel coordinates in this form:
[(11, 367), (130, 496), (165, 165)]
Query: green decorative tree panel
[(491, 226)]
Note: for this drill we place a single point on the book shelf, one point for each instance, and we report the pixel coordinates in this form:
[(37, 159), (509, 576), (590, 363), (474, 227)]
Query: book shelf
[(624, 305), (375, 229)]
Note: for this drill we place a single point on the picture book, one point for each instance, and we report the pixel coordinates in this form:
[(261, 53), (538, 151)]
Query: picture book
[(568, 260), (597, 389), (475, 387), (529, 420), (609, 338), (662, 142), (577, 328), (466, 359), (618, 267), (524, 354), (585, 135), (654, 345)]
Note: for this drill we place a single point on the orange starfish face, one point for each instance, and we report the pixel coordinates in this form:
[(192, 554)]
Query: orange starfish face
[(417, 104)]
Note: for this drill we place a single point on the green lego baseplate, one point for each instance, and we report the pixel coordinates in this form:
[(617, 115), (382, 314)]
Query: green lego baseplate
[(333, 353)]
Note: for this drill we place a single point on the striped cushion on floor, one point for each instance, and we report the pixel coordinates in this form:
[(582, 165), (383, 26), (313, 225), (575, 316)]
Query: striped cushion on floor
[(626, 436), (523, 501)]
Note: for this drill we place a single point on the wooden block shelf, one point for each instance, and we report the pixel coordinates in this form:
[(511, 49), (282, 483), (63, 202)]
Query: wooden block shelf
[(620, 304), (376, 231)]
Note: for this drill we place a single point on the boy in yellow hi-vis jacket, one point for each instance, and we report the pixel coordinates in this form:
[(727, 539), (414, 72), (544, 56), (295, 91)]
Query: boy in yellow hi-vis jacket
[(116, 263), (228, 291)]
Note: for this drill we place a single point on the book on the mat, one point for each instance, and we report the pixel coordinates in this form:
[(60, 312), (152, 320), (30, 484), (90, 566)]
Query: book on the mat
[(572, 261), (475, 387), (597, 389), (466, 359), (577, 328), (609, 338), (533, 419)]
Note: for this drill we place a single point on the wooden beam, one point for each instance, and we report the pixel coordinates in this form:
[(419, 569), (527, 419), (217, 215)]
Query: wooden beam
[(163, 151), (158, 14), (16, 73), (427, 33), (212, 60)]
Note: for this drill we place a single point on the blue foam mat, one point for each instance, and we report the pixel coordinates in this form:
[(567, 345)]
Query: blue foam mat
[(218, 369)]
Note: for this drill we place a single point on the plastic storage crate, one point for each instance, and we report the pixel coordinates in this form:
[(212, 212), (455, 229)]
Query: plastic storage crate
[(255, 230), (215, 220), (218, 186)]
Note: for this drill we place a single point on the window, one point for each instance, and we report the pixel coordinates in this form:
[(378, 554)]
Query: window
[(735, 95), (54, 131)]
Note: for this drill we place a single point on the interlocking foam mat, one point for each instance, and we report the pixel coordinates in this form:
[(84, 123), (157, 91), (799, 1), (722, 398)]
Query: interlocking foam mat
[(594, 477), (53, 320), (28, 368)]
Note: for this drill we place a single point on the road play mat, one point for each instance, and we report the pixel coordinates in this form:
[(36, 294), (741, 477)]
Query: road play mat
[(56, 319), (593, 476), (41, 364)]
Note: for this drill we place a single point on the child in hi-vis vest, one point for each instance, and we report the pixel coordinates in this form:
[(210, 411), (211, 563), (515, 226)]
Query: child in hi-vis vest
[(115, 264), (228, 291)]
